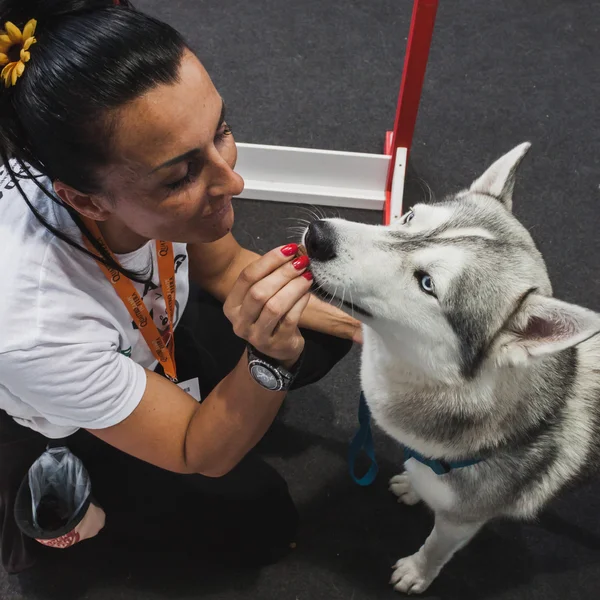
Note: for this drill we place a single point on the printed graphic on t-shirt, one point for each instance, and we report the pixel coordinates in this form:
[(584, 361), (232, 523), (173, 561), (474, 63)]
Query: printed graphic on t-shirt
[(6, 182), (154, 300)]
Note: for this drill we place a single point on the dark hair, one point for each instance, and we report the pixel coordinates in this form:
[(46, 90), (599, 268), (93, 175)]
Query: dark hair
[(91, 57)]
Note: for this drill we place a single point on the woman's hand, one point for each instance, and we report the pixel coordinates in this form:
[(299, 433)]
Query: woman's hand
[(267, 301)]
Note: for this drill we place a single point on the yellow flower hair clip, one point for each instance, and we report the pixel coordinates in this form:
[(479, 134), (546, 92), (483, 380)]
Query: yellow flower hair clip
[(14, 50)]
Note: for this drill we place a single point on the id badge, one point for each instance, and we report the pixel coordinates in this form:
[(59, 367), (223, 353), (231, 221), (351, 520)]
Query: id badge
[(192, 387)]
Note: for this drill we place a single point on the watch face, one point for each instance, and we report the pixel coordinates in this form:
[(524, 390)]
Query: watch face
[(265, 377)]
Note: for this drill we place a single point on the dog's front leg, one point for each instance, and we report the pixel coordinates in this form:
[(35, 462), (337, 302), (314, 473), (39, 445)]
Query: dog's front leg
[(414, 574)]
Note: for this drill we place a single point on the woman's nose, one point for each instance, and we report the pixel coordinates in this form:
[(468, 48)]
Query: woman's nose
[(224, 181)]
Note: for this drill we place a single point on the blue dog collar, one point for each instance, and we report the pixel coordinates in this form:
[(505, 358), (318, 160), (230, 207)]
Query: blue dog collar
[(363, 441), (439, 467)]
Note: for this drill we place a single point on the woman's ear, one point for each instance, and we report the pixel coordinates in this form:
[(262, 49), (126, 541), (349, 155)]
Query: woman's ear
[(88, 205)]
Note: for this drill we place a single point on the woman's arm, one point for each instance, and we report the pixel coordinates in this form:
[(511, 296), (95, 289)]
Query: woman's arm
[(171, 430), (216, 267)]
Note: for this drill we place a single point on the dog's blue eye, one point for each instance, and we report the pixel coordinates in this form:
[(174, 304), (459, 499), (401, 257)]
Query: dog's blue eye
[(408, 217), (425, 282)]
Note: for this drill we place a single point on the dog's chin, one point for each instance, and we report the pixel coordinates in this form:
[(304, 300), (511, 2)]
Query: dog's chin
[(324, 294)]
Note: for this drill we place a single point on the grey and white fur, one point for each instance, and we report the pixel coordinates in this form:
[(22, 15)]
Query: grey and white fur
[(467, 356)]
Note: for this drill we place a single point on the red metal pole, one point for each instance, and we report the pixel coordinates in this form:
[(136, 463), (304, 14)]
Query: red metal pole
[(413, 75)]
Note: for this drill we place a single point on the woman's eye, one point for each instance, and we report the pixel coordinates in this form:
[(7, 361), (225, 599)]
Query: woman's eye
[(408, 217), (194, 167), (425, 283), (224, 131), (193, 170), (183, 181)]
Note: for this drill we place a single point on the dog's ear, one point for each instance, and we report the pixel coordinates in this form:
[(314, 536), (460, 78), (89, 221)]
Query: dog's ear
[(499, 179), (544, 326)]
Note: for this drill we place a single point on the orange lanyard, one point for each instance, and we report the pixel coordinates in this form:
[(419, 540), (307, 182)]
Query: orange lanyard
[(164, 353)]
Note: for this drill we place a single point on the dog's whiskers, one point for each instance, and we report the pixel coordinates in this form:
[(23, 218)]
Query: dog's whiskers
[(298, 220), (334, 295), (343, 297), (311, 213), (351, 303), (319, 287), (296, 228)]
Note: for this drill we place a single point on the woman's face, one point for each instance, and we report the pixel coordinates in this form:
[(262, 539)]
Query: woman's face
[(172, 177)]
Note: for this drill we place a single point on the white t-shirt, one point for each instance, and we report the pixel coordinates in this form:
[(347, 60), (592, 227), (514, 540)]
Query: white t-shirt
[(70, 355)]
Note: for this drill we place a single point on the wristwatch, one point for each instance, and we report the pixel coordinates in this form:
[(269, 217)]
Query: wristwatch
[(268, 373)]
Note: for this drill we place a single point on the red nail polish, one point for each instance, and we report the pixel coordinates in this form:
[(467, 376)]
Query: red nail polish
[(301, 263), (289, 250), (308, 276)]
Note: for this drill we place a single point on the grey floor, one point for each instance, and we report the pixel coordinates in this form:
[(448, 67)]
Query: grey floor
[(325, 74)]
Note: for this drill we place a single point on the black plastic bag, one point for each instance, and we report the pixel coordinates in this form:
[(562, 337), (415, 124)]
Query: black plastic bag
[(54, 504)]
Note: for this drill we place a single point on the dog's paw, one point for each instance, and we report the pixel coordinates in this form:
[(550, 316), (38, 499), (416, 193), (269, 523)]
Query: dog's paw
[(409, 576), (401, 486)]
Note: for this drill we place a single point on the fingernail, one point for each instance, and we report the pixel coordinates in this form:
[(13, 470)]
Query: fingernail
[(289, 250), (308, 276), (301, 263)]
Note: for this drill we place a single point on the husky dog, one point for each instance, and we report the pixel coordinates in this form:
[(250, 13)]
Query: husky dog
[(468, 361)]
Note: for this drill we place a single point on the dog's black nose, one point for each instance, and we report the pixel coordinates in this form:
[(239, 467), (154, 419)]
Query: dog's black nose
[(320, 241)]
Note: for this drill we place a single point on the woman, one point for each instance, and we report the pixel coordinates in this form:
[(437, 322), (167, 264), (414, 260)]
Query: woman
[(117, 186)]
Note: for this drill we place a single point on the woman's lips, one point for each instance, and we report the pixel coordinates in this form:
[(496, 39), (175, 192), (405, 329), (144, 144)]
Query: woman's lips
[(221, 212)]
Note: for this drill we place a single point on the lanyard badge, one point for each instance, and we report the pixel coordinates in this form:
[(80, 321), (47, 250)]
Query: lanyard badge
[(164, 353)]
